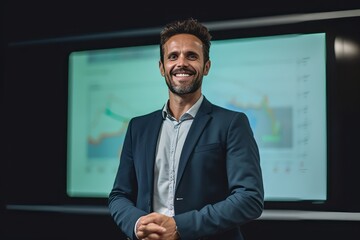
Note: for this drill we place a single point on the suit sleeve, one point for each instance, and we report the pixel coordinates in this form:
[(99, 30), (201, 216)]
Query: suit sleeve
[(123, 195)]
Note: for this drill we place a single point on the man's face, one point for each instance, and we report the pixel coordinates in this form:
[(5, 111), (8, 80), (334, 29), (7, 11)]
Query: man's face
[(184, 66)]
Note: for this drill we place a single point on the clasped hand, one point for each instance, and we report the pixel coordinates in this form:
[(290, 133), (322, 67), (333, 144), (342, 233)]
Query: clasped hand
[(156, 226)]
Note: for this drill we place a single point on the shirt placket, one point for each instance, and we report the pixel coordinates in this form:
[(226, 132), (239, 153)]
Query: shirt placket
[(172, 172)]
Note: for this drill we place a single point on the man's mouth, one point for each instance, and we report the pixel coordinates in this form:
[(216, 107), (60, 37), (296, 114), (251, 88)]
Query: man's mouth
[(181, 75)]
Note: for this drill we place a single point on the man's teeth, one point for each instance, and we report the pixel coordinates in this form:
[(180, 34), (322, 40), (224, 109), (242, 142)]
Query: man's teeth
[(182, 75)]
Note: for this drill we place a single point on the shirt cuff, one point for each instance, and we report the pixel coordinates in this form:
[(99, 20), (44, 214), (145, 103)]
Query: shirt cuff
[(135, 227)]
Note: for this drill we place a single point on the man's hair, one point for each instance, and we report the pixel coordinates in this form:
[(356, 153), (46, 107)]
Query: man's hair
[(188, 26)]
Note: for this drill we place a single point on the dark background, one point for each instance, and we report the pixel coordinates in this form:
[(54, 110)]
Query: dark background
[(34, 110), (27, 20)]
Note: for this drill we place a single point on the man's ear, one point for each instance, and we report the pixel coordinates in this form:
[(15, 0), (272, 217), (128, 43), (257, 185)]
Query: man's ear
[(207, 67), (161, 68)]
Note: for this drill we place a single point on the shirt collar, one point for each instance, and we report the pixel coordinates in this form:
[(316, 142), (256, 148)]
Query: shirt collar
[(192, 111)]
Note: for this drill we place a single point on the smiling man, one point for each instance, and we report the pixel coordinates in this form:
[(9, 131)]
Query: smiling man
[(190, 170)]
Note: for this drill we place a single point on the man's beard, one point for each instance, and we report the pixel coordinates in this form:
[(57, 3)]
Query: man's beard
[(179, 90)]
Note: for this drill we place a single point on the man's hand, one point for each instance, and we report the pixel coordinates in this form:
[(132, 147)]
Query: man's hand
[(156, 226)]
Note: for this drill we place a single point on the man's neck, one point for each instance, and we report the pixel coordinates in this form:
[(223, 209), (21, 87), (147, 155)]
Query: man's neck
[(178, 105)]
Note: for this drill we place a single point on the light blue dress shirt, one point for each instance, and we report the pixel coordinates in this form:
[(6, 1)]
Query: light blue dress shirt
[(170, 143)]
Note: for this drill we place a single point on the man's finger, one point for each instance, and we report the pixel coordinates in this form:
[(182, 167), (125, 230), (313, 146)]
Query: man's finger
[(151, 228)]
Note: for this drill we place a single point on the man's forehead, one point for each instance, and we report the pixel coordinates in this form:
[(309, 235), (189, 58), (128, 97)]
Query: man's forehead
[(183, 40)]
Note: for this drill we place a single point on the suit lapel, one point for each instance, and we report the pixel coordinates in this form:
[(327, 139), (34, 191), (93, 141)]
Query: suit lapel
[(200, 121), (150, 148)]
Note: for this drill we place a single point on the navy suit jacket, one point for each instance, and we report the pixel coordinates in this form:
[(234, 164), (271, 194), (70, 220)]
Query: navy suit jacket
[(219, 183)]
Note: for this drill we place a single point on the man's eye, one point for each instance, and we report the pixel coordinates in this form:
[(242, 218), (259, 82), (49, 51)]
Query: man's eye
[(172, 57), (192, 57)]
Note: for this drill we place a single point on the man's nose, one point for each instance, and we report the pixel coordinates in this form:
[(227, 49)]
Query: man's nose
[(182, 61)]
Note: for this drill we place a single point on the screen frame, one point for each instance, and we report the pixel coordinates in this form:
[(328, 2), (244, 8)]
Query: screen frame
[(341, 196)]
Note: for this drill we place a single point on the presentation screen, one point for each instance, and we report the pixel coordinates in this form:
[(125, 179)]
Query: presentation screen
[(278, 81)]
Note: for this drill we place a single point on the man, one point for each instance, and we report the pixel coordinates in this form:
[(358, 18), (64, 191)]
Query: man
[(191, 170)]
